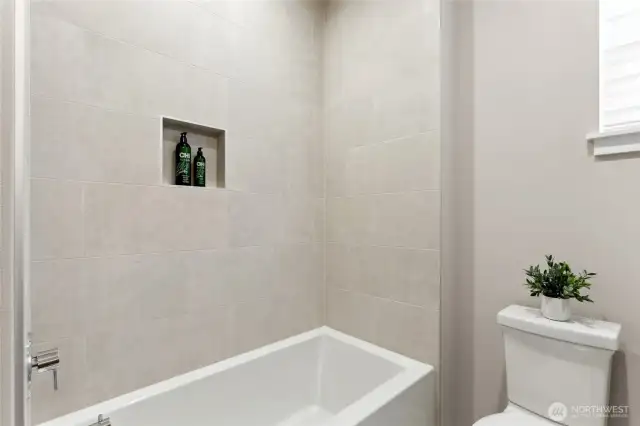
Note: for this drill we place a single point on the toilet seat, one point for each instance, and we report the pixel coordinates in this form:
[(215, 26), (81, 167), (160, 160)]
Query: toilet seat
[(514, 416)]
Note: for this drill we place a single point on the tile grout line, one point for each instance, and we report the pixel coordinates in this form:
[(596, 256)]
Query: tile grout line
[(66, 20), (274, 247), (373, 194), (198, 190), (382, 298)]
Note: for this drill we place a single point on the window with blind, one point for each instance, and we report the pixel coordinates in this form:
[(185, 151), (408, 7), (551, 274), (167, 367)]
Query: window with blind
[(619, 64)]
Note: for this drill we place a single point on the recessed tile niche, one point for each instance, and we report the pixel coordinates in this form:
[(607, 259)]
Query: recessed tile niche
[(210, 139)]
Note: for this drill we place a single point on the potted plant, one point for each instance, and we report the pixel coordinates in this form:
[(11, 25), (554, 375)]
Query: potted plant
[(557, 285)]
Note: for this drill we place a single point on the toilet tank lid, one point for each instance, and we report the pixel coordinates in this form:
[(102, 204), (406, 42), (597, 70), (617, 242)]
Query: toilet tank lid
[(581, 331)]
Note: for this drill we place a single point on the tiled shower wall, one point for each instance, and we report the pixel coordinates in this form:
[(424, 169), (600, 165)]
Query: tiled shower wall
[(382, 105), (136, 281)]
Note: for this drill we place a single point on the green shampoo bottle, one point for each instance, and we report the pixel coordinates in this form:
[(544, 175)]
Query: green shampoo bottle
[(183, 161), (200, 169)]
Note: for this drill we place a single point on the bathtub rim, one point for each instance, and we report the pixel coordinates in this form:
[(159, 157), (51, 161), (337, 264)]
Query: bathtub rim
[(359, 410)]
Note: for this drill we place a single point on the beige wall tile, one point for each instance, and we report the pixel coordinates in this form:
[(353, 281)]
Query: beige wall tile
[(299, 224), (172, 343), (220, 8), (319, 224), (305, 161), (255, 219), (68, 63), (76, 297), (172, 269), (368, 269), (410, 219), (350, 220), (339, 271), (205, 217), (180, 30), (117, 218), (362, 172), (59, 297), (338, 218), (129, 289), (253, 165), (260, 126), (413, 277), (280, 31), (227, 271), (56, 219), (301, 269), (227, 277), (305, 310), (123, 219), (404, 275), (262, 321), (336, 174), (409, 330), (406, 164), (252, 112), (382, 119), (406, 110), (350, 123), (352, 313), (216, 278), (107, 146)]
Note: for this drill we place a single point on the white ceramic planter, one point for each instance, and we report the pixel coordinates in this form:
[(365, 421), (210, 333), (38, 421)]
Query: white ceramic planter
[(555, 309)]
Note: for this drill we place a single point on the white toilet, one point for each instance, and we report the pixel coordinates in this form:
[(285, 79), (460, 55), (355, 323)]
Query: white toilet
[(557, 372)]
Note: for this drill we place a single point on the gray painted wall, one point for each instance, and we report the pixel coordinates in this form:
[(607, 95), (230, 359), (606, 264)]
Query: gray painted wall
[(525, 98)]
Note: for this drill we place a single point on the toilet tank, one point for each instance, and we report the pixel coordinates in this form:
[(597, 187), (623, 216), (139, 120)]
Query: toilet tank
[(559, 370)]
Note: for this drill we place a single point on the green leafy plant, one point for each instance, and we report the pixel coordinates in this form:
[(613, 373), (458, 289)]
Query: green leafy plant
[(558, 281)]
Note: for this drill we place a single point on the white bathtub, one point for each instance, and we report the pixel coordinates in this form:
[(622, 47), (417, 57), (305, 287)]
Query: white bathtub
[(321, 377)]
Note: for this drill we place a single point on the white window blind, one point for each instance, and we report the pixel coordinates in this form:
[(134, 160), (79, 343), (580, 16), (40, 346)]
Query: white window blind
[(619, 64)]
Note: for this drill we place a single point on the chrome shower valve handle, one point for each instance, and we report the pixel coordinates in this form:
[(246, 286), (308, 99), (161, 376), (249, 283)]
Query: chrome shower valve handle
[(48, 360)]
